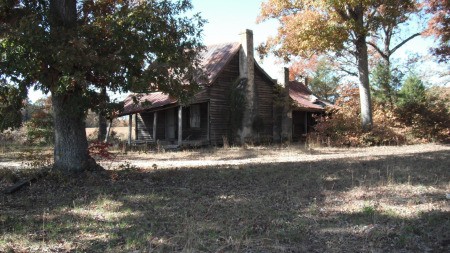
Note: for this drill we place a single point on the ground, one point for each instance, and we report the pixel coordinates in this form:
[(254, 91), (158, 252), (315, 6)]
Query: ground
[(254, 199)]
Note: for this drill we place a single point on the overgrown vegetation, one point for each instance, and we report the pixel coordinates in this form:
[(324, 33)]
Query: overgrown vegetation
[(390, 202), (411, 115), (238, 102)]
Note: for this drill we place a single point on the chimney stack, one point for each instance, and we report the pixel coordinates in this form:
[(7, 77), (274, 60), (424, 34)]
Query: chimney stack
[(283, 77), (286, 118), (247, 71)]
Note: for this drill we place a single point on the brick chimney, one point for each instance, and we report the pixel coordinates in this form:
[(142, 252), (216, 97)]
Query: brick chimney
[(247, 70), (283, 77), (286, 117)]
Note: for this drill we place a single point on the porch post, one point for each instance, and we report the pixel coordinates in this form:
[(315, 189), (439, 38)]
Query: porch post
[(130, 126), (136, 127), (180, 125), (155, 118)]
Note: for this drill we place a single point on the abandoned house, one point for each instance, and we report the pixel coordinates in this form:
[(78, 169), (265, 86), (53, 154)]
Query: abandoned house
[(217, 113)]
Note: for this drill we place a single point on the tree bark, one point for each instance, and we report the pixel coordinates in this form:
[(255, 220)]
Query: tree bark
[(63, 13), (71, 147), (102, 122), (364, 88)]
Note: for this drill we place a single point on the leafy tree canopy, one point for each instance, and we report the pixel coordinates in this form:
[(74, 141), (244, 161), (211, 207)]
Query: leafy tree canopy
[(123, 45), (73, 49), (439, 26)]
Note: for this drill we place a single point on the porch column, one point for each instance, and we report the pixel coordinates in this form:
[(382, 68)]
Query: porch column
[(180, 125), (155, 118), (130, 126)]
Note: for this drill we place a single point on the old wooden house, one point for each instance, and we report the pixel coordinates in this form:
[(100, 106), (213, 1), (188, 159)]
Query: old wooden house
[(207, 119), (211, 116)]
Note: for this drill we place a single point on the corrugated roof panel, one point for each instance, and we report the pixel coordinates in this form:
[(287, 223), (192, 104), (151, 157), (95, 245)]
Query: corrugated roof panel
[(304, 98)]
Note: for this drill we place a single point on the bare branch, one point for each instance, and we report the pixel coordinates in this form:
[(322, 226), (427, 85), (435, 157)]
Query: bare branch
[(403, 42), (378, 50)]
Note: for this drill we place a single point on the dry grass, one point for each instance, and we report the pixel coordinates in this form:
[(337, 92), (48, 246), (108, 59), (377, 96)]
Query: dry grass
[(121, 132), (382, 199)]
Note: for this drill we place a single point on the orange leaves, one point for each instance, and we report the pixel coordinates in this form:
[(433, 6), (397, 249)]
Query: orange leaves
[(307, 27)]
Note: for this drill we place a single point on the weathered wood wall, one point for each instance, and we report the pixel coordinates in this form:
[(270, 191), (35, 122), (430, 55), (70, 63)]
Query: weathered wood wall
[(219, 93), (264, 89), (144, 126)]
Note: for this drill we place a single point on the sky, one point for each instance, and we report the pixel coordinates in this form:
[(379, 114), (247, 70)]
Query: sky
[(227, 18)]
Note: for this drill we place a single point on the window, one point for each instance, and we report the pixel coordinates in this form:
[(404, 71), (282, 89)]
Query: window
[(195, 116)]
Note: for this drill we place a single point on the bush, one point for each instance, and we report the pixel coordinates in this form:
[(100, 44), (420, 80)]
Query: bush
[(40, 128), (428, 117), (420, 115), (341, 126)]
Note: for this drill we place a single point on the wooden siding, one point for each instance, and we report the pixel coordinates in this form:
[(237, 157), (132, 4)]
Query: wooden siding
[(264, 89), (144, 126), (219, 101)]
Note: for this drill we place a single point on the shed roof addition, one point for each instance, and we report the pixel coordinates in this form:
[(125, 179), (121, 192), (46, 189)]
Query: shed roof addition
[(304, 98)]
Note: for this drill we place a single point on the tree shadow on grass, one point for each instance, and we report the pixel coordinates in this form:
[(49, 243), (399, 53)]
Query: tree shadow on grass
[(339, 205)]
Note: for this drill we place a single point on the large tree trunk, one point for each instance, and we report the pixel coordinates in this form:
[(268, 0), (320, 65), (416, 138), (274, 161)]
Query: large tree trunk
[(71, 147), (102, 123), (364, 88)]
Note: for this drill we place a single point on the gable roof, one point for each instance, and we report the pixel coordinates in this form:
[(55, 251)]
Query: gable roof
[(216, 57), (304, 98), (214, 60)]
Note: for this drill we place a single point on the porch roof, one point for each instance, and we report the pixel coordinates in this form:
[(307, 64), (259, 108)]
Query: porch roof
[(146, 102), (305, 99)]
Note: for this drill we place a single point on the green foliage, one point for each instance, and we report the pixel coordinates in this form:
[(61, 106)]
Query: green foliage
[(72, 49), (11, 101), (385, 83), (412, 91), (427, 113), (40, 127), (238, 102), (324, 82), (121, 45)]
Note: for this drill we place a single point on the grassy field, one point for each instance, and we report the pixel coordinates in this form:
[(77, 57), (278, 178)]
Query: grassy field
[(381, 199), (120, 132)]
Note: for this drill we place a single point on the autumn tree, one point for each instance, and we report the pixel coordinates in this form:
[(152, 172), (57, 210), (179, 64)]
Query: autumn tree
[(339, 27), (72, 49), (439, 26)]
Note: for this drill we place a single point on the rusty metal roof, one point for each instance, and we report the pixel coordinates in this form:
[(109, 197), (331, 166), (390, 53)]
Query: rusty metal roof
[(154, 100), (214, 59), (304, 98)]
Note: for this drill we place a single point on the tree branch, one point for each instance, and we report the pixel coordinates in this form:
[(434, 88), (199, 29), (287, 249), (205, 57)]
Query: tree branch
[(403, 42), (378, 50), (348, 71)]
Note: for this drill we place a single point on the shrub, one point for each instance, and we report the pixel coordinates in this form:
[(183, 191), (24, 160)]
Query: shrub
[(427, 116), (419, 115), (341, 125)]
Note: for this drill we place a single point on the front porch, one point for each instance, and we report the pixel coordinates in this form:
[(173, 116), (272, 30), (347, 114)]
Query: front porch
[(172, 126)]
